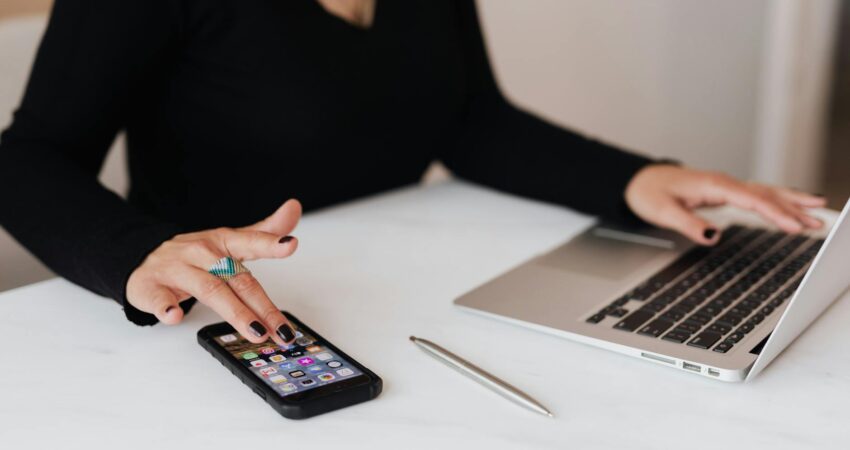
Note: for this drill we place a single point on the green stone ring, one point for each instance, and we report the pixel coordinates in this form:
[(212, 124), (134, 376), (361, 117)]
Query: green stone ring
[(227, 268)]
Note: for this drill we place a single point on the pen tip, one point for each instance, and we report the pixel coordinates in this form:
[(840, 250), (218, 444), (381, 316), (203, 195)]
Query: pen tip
[(550, 415), (413, 338)]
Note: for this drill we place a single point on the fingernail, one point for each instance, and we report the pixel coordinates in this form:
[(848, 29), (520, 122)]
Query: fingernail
[(285, 332), (709, 233), (285, 239), (168, 310), (257, 329)]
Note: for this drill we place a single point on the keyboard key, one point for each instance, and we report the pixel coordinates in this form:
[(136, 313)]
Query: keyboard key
[(689, 303), (702, 319), (749, 304), (757, 318), (596, 318), (740, 311), (656, 327), (634, 320), (709, 310), (674, 314), (690, 326), (653, 307), (678, 336), (767, 310), (777, 302), (720, 328), (730, 319), (619, 312), (735, 337), (745, 328), (723, 347), (705, 339)]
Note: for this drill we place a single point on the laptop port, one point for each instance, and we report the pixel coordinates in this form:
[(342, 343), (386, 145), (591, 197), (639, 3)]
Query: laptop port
[(713, 372), (658, 358), (692, 367)]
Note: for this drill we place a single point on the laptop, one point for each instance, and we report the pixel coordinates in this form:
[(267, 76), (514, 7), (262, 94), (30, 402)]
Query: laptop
[(723, 312)]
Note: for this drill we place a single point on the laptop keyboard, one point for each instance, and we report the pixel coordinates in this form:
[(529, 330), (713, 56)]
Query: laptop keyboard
[(710, 298)]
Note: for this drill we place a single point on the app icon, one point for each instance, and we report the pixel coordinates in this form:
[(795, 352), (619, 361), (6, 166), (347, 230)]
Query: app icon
[(296, 374), (228, 338), (308, 382), (288, 387), (305, 361), (295, 353), (344, 372), (267, 350), (249, 355), (277, 379), (324, 356), (303, 341), (286, 365), (298, 334), (334, 364), (314, 348), (258, 363), (315, 368), (277, 358), (326, 376), (266, 371)]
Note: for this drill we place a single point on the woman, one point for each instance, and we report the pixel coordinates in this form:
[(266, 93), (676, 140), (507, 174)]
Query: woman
[(231, 106)]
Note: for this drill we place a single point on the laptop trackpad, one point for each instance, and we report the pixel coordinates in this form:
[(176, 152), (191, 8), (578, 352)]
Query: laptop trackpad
[(602, 256)]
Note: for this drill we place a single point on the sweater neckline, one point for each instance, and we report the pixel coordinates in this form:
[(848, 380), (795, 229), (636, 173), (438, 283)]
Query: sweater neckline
[(346, 25)]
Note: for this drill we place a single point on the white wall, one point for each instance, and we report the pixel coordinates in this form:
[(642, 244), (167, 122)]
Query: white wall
[(674, 78)]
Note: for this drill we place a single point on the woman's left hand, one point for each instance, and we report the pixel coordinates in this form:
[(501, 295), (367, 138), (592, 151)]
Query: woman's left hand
[(666, 196)]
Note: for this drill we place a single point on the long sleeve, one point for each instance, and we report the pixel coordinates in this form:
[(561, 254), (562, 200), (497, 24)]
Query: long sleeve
[(94, 58), (506, 148)]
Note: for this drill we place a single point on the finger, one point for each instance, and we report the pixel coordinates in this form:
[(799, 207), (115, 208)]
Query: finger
[(800, 214), (216, 294), (158, 300), (675, 216), (248, 245), (749, 197), (283, 221), (802, 198), (252, 294)]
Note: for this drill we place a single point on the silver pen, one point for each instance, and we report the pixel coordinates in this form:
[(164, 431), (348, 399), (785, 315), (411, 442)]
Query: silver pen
[(480, 376)]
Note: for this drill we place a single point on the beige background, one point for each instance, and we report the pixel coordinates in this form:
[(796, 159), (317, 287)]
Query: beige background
[(18, 7)]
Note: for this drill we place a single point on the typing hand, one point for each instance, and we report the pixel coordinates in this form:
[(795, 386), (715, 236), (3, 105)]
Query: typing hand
[(178, 270), (666, 195)]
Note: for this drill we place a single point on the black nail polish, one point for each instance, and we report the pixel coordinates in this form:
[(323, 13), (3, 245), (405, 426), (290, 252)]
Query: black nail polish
[(285, 332), (257, 329), (285, 239), (709, 233)]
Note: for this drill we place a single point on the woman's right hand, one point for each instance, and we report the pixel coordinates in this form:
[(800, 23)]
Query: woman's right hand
[(178, 270)]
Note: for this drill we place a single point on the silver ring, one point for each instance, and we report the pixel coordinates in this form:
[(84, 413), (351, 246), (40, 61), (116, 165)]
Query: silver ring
[(227, 268)]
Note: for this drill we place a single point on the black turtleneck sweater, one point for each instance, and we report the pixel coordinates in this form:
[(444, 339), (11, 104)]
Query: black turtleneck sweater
[(277, 97)]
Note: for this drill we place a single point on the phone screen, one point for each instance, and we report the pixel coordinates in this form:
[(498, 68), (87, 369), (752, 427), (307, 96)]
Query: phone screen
[(304, 365)]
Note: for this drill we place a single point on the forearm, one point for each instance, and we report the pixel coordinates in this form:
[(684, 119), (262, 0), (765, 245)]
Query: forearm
[(77, 227), (515, 151)]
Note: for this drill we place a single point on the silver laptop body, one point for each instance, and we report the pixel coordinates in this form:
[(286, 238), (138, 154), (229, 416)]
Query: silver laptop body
[(587, 290)]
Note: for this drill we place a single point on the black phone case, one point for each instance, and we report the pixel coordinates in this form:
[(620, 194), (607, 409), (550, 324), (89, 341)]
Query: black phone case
[(331, 401)]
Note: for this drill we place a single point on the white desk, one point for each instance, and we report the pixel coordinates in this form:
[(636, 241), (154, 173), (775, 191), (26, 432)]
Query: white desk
[(75, 374)]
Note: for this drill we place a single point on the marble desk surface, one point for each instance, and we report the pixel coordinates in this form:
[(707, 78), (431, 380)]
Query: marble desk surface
[(75, 374)]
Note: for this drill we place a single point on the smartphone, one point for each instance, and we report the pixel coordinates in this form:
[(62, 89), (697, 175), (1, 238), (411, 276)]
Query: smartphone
[(305, 379)]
